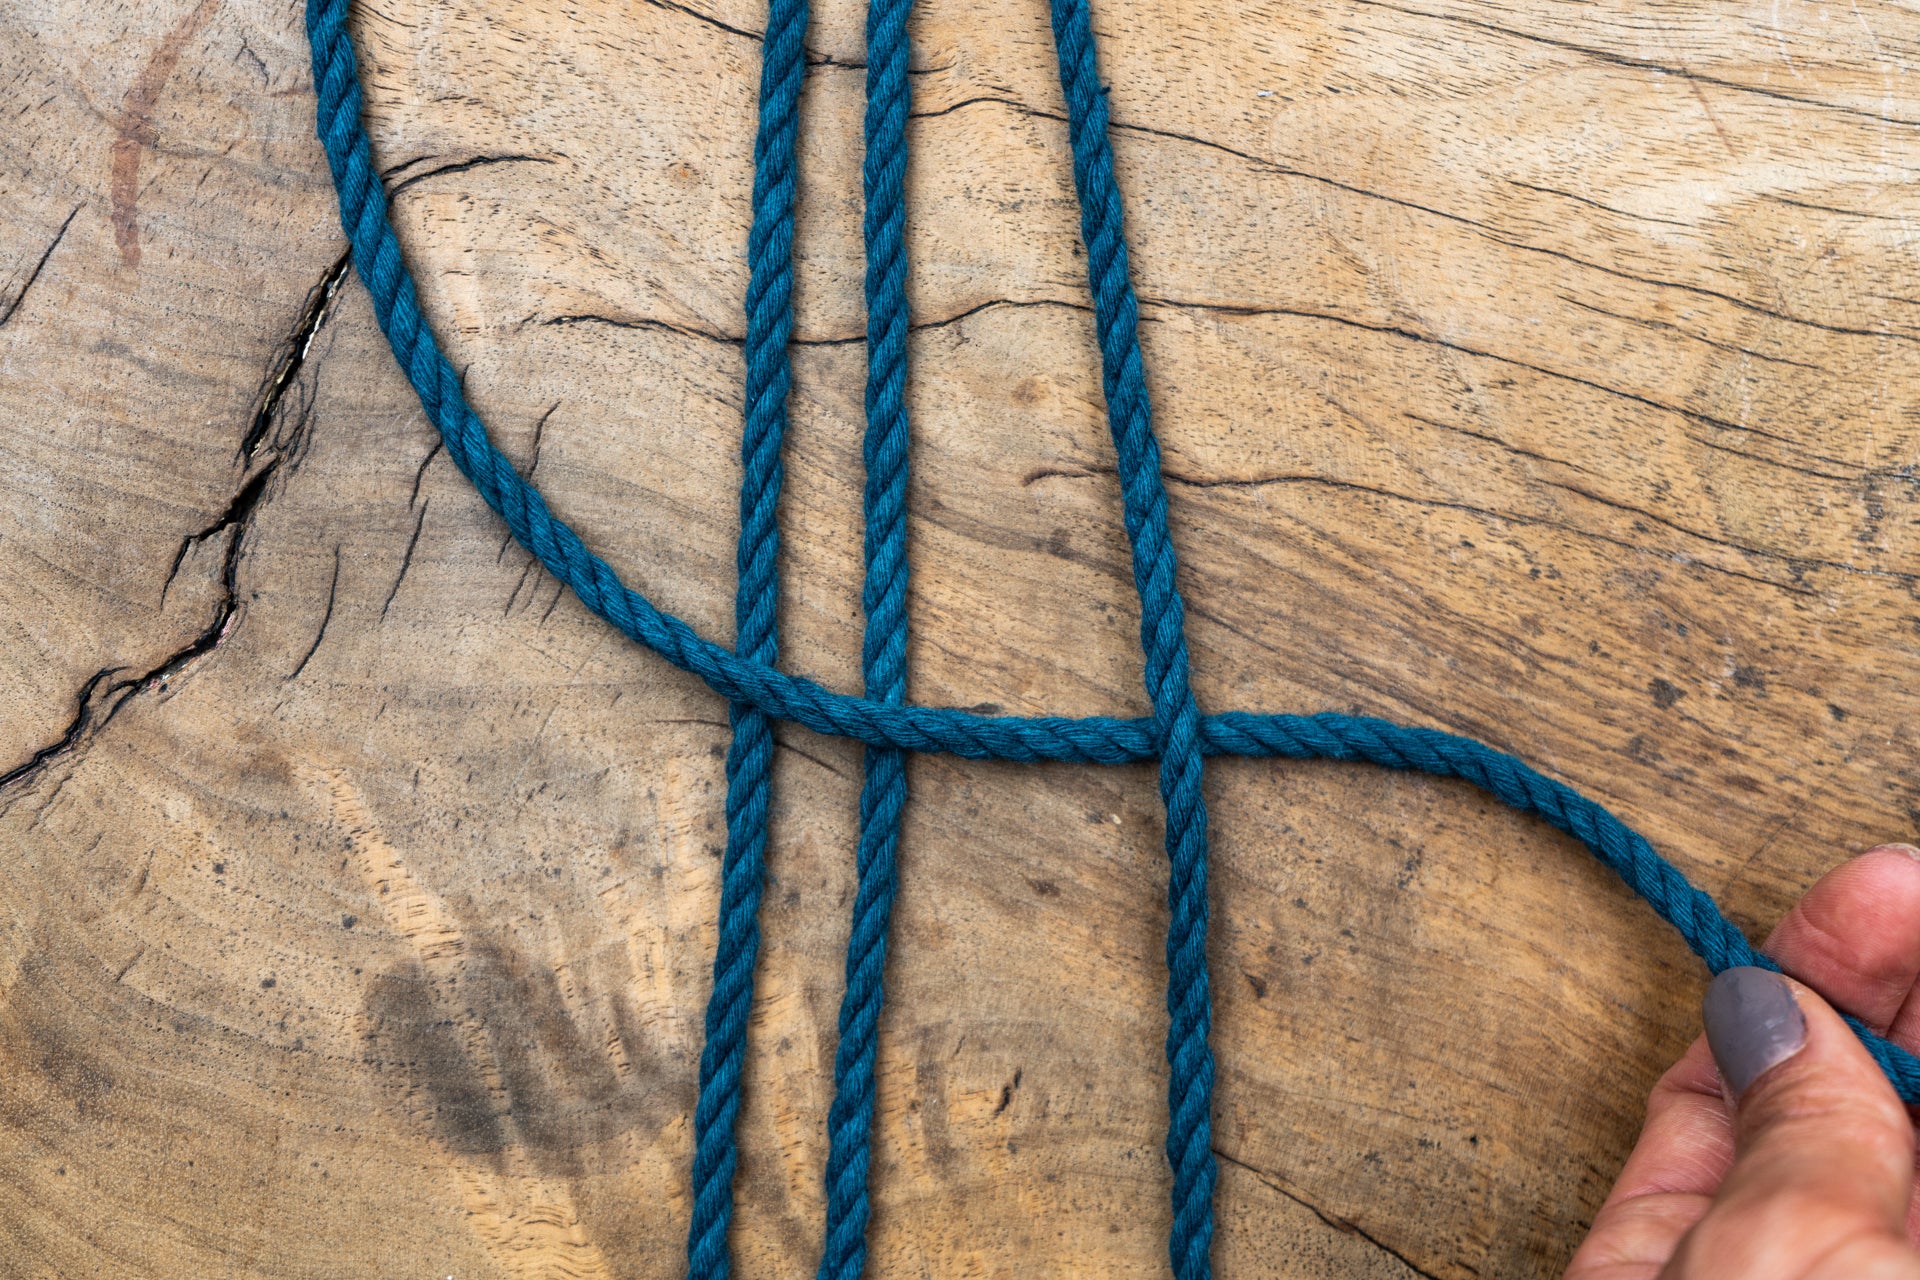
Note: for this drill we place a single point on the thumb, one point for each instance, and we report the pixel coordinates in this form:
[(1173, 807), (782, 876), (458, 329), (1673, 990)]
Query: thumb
[(1823, 1163)]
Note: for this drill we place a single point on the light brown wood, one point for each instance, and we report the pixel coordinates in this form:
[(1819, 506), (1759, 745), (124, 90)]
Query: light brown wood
[(1538, 372)]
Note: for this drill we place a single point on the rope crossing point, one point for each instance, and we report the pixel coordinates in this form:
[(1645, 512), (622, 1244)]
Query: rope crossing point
[(1177, 735)]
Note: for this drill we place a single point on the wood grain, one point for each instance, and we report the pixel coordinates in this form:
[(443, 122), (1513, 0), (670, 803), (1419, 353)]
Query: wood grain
[(1536, 371)]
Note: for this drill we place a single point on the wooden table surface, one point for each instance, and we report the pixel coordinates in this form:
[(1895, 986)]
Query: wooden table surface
[(1539, 371)]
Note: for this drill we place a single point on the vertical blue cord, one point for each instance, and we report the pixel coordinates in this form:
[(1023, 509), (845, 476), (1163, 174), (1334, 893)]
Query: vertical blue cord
[(1176, 715), (883, 658), (756, 617)]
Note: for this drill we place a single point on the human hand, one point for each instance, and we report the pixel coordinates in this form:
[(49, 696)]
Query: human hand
[(1811, 1175)]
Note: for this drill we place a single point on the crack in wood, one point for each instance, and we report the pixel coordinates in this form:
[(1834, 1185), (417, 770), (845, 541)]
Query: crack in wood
[(299, 341), (333, 591), (406, 560), (439, 443), (459, 166), (1490, 231), (1794, 564), (1342, 1225), (6, 314), (1638, 64), (539, 434), (105, 692), (736, 340)]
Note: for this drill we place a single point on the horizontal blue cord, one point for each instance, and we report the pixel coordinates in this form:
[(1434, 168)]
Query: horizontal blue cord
[(1177, 735)]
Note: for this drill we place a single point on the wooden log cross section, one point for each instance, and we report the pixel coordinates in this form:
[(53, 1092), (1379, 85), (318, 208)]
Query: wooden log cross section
[(1542, 372)]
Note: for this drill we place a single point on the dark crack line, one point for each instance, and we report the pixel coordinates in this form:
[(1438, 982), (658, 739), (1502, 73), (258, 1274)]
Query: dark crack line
[(559, 590), (239, 519), (1414, 335), (333, 589), (127, 968), (1637, 64), (104, 694), (1490, 232), (532, 564), (406, 561), (977, 100), (294, 354), (1699, 290), (786, 744), (238, 510), (1392, 330), (458, 166), (539, 433), (68, 739), (1015, 303), (1342, 1225), (825, 61), (1648, 323), (1784, 465), (1606, 208), (34, 274), (735, 340), (102, 697), (644, 322), (1508, 445), (1795, 562), (439, 443), (783, 744), (709, 19), (1511, 517), (1829, 208)]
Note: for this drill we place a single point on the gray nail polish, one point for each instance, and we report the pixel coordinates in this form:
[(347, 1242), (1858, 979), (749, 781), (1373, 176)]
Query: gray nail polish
[(1753, 1024)]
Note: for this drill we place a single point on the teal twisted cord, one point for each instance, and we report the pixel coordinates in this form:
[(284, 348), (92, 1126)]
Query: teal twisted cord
[(883, 658), (769, 312), (1100, 739), (1163, 639)]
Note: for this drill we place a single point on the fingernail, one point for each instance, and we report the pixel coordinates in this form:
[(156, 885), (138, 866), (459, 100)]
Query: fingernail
[(1753, 1024), (1907, 849)]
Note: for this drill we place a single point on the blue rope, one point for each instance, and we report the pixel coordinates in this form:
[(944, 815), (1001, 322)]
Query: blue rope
[(1177, 735), (1176, 716), (883, 658), (756, 610)]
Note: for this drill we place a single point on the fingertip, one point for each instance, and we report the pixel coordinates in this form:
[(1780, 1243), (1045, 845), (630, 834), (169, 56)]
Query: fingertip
[(1820, 1103), (1855, 936)]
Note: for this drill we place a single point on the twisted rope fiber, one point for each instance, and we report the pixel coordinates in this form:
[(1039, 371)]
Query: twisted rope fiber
[(1176, 716), (883, 657), (744, 680), (756, 608)]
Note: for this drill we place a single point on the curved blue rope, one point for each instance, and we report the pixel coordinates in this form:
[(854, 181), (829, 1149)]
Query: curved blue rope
[(756, 619), (883, 657), (1175, 728)]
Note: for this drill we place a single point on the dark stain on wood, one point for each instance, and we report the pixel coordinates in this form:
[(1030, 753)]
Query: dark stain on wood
[(501, 1057)]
